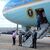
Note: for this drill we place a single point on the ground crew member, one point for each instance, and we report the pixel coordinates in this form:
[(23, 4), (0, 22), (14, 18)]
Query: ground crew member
[(20, 38)]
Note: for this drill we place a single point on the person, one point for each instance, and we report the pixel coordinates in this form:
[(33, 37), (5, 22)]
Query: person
[(20, 38), (14, 37), (38, 22), (34, 38)]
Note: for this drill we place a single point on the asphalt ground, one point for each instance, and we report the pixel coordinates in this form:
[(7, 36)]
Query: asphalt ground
[(6, 43)]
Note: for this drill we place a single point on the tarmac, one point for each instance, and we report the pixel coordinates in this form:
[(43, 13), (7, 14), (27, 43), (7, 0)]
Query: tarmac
[(6, 43)]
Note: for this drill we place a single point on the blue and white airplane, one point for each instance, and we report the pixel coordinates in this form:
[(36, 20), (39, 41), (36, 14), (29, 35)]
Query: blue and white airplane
[(25, 12)]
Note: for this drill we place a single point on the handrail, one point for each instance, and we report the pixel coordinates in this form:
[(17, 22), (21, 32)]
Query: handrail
[(26, 36), (42, 31)]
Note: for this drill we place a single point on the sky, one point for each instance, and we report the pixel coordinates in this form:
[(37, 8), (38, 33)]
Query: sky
[(3, 21)]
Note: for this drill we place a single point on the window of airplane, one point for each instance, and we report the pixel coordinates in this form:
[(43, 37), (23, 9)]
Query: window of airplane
[(30, 12)]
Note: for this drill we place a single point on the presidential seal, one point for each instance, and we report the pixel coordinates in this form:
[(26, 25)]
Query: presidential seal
[(30, 12)]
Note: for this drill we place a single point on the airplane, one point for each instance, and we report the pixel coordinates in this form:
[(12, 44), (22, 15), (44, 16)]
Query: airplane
[(25, 13)]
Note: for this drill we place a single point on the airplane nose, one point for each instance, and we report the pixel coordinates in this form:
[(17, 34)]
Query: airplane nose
[(20, 15)]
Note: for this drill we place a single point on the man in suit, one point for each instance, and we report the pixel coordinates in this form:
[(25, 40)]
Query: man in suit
[(34, 38), (38, 22)]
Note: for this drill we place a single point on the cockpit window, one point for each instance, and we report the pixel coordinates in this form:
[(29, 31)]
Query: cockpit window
[(14, 3)]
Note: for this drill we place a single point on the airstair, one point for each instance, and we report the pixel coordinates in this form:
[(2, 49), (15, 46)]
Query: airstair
[(40, 34)]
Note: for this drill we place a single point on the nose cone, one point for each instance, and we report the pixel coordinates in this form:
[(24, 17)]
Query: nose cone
[(8, 7), (6, 11)]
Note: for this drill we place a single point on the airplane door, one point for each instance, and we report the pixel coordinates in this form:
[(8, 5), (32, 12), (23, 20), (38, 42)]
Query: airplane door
[(42, 15)]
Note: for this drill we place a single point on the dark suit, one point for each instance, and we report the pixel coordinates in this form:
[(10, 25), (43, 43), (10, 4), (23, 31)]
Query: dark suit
[(20, 39), (34, 39), (38, 22)]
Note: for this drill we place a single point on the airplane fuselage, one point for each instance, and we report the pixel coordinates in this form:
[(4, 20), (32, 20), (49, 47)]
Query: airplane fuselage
[(21, 16)]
